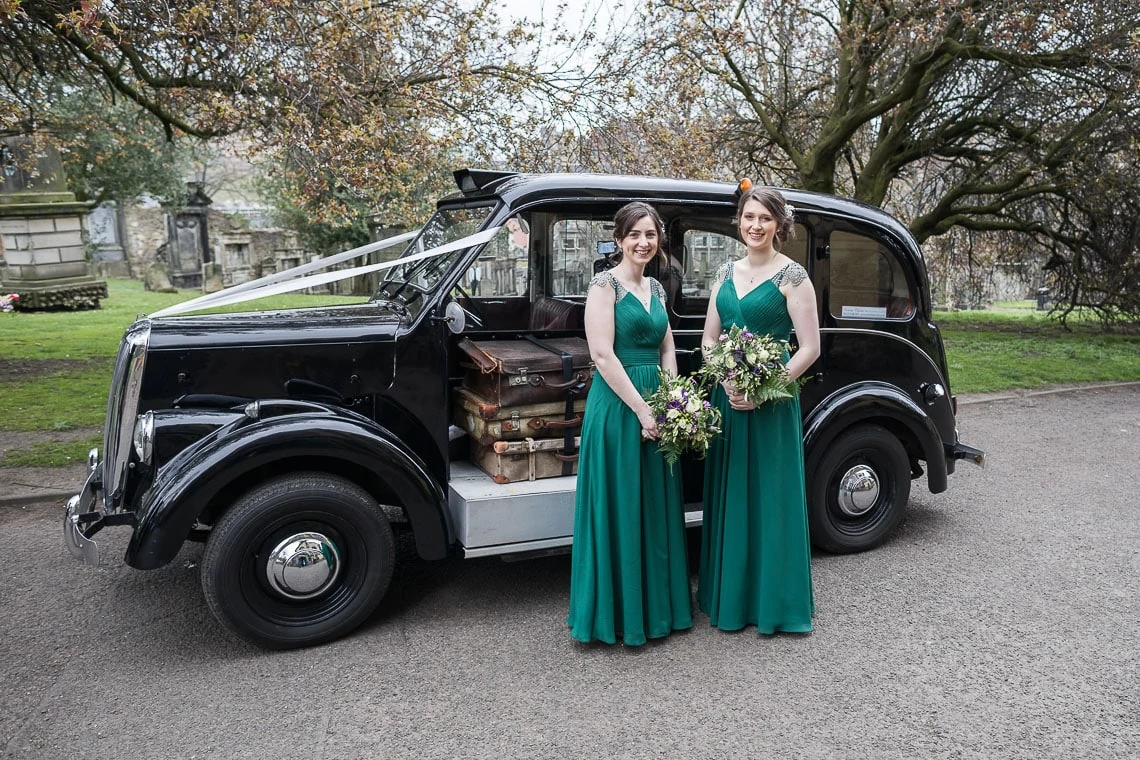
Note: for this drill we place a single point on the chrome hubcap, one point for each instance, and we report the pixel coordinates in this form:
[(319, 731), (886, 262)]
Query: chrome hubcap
[(303, 565), (858, 490)]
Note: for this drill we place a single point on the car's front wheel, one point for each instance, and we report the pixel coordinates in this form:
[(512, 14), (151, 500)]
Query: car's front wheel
[(298, 560), (858, 488)]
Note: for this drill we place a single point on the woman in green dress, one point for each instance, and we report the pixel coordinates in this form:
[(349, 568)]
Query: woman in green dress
[(629, 575), (755, 553)]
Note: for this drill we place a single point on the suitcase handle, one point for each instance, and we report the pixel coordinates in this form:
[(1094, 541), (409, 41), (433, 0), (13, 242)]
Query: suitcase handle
[(566, 457), (578, 379), (538, 423)]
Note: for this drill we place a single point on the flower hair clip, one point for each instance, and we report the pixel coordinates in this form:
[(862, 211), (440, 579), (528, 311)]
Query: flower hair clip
[(790, 210)]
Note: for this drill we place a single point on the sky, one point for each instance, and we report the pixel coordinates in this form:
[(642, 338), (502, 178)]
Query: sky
[(552, 9)]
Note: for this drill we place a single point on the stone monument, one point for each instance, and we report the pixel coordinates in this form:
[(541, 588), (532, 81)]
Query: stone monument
[(188, 241), (41, 228), (105, 232)]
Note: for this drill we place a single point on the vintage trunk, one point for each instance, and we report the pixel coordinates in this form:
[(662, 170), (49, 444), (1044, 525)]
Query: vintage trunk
[(528, 459), (513, 372), (488, 423)]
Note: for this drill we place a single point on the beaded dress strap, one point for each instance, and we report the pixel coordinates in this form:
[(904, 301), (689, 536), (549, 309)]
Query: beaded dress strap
[(723, 273), (791, 273), (607, 278), (657, 289)]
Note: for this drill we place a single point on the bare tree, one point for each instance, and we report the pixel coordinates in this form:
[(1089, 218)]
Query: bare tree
[(349, 95), (958, 114)]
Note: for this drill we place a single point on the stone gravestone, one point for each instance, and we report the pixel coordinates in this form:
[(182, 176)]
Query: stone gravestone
[(104, 231), (44, 259), (188, 242)]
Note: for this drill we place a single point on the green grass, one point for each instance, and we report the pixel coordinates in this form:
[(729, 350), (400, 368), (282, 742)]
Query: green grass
[(71, 397), (58, 401), (51, 453), (1015, 346), (989, 360), (96, 333)]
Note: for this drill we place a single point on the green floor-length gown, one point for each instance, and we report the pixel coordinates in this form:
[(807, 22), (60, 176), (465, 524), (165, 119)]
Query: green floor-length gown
[(629, 574), (755, 552)]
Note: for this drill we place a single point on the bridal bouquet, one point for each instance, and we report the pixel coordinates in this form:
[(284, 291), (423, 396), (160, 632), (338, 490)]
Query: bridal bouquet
[(686, 421), (753, 364)]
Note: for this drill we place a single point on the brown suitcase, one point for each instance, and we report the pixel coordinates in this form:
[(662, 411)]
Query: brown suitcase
[(514, 372), (487, 422), (528, 459)]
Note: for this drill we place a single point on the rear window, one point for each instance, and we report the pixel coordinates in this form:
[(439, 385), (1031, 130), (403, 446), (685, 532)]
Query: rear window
[(867, 281)]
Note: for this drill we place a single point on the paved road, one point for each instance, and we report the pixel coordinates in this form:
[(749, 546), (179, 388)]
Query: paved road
[(1001, 621)]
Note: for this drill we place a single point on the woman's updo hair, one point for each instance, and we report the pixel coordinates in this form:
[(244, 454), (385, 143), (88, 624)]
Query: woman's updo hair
[(773, 200), (629, 215)]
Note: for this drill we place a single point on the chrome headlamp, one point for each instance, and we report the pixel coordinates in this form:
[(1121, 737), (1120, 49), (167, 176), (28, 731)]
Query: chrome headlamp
[(143, 440)]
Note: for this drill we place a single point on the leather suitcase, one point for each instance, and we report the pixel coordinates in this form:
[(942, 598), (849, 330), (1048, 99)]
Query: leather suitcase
[(487, 423), (514, 372), (528, 459)]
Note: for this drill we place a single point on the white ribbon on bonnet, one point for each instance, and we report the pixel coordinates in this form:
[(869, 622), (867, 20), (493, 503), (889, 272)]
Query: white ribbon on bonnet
[(274, 284)]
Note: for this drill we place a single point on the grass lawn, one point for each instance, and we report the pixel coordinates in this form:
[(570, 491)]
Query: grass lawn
[(55, 367), (1015, 346)]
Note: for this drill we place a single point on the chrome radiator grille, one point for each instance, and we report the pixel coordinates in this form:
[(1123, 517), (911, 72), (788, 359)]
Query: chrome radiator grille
[(122, 409)]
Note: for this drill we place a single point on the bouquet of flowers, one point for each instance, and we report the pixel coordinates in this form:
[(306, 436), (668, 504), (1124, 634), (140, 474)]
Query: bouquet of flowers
[(686, 421), (753, 364), (8, 302)]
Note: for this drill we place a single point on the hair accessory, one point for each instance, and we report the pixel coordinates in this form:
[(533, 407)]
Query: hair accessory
[(744, 186), (790, 210)]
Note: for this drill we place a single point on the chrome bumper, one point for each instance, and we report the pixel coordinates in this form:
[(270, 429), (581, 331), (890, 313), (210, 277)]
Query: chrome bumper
[(80, 512)]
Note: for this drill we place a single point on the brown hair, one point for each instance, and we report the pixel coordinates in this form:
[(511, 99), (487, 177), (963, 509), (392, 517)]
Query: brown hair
[(629, 215), (773, 200)]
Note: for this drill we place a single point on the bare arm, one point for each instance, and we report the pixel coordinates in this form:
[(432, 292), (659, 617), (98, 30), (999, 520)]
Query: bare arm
[(668, 352), (805, 320), (600, 335), (713, 326)]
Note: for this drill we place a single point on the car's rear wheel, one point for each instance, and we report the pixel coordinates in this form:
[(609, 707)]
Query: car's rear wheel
[(298, 560), (858, 488)]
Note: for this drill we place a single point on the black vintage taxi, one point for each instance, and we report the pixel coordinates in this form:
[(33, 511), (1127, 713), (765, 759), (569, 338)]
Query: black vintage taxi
[(294, 443)]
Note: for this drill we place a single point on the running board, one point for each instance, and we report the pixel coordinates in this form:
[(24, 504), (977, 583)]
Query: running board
[(493, 519)]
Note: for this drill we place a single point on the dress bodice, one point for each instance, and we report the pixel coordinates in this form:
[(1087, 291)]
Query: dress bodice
[(763, 309), (638, 331)]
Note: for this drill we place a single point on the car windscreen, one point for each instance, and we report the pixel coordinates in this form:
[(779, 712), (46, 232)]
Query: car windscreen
[(407, 284)]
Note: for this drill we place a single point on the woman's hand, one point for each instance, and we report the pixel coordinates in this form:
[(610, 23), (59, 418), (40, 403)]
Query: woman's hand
[(738, 400), (648, 424)]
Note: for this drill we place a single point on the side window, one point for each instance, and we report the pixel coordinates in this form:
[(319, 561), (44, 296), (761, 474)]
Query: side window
[(574, 247), (867, 281), (704, 251), (501, 269), (706, 246)]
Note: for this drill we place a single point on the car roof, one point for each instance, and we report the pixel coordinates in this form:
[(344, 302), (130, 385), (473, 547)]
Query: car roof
[(517, 189)]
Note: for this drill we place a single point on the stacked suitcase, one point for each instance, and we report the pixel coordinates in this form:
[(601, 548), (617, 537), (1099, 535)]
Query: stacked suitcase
[(521, 403)]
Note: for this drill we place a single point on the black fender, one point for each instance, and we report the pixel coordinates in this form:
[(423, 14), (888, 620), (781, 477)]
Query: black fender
[(186, 485), (871, 401)]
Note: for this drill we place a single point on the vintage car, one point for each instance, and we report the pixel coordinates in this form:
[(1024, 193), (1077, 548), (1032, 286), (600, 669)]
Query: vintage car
[(294, 443)]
